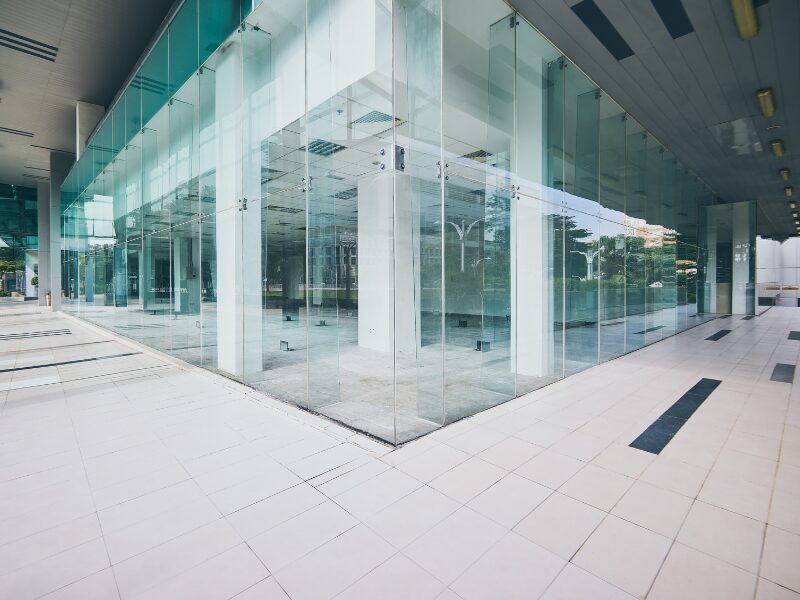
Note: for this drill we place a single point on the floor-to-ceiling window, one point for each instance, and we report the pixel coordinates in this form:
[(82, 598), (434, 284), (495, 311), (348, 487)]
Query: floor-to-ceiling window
[(395, 228)]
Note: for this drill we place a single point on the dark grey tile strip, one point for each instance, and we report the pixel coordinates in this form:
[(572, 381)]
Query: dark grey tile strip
[(747, 318), (7, 352), (724, 317), (719, 335), (648, 330), (30, 334), (794, 335), (658, 435), (68, 362), (783, 373)]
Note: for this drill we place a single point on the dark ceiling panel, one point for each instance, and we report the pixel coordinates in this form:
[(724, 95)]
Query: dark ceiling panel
[(597, 22), (674, 17)]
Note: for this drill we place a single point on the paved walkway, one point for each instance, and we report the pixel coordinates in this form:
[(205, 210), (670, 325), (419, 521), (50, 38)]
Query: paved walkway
[(124, 474)]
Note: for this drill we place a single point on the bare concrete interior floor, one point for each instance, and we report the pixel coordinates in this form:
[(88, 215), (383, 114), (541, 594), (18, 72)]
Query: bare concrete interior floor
[(126, 474)]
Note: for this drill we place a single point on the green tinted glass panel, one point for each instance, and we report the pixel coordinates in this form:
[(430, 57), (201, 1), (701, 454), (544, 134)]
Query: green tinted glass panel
[(153, 79), (217, 20), (183, 50)]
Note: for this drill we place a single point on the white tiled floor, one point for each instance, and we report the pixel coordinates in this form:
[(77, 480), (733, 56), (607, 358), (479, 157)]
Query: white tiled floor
[(141, 477)]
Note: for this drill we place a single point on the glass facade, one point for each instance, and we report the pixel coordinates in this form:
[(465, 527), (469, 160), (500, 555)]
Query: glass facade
[(394, 213), (19, 241)]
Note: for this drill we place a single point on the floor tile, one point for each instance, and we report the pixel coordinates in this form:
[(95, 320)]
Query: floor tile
[(55, 571), (550, 469), (750, 500), (397, 579), (513, 568), (99, 586), (510, 453), (336, 565), (285, 543), (266, 514), (509, 500), (560, 524), (377, 493), (767, 590), (157, 565), (411, 516), (692, 575), (266, 589), (465, 481), (573, 583), (779, 562), (724, 535), (623, 460), (597, 487), (675, 475), (431, 463), (448, 549), (221, 577), (654, 508), (623, 554), (784, 512)]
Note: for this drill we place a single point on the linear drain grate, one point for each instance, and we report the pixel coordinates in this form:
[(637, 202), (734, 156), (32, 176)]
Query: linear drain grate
[(33, 334), (69, 362)]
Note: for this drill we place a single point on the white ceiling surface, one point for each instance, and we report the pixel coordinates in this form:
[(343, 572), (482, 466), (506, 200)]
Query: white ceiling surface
[(679, 89), (98, 44)]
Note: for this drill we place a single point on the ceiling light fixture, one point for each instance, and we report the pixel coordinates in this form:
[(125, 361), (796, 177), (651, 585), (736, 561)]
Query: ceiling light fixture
[(744, 13), (794, 215), (766, 102), (785, 174), (791, 204), (777, 147), (789, 191)]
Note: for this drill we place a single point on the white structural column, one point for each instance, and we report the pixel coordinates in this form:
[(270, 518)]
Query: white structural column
[(531, 287), (87, 116), (711, 263), (43, 213), (238, 231), (741, 280), (387, 316), (60, 164)]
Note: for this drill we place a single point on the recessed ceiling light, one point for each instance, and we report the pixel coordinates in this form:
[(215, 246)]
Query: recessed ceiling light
[(789, 191), (777, 147), (785, 174), (766, 102), (744, 13), (792, 205)]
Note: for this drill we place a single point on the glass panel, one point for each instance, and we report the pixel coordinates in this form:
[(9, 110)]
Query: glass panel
[(351, 214), (153, 79), (478, 140), (635, 210), (537, 265), (185, 224), (156, 241), (611, 258), (418, 219), (581, 236), (274, 185), (207, 162), (183, 45)]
